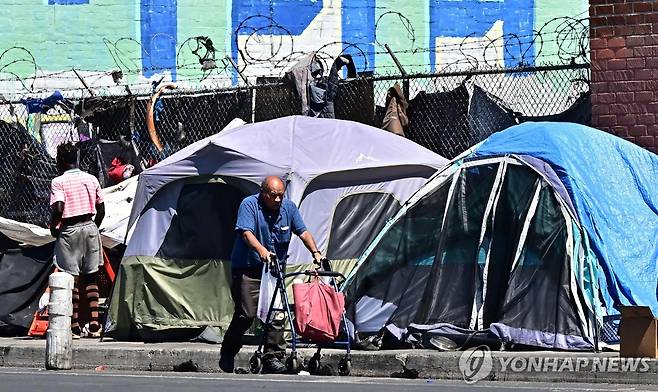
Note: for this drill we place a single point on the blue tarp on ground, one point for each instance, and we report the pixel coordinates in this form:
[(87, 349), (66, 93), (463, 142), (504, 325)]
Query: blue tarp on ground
[(613, 185)]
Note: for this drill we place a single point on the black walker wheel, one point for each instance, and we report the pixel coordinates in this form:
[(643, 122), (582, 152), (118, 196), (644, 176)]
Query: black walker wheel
[(292, 364), (255, 364), (345, 366), (314, 364)]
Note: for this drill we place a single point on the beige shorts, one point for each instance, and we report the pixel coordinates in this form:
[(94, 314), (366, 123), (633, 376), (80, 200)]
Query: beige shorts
[(78, 249)]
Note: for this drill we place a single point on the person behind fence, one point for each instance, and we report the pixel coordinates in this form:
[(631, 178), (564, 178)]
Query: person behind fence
[(77, 212), (264, 227)]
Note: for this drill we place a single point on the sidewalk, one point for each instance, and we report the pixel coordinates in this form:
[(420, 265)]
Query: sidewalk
[(429, 364)]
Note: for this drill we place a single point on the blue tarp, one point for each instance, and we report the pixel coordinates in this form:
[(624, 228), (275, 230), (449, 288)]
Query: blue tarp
[(42, 105), (613, 185)]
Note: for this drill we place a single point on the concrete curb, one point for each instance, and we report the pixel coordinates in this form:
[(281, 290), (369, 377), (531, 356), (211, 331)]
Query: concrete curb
[(429, 364)]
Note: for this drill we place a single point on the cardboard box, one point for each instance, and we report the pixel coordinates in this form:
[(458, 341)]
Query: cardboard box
[(638, 332)]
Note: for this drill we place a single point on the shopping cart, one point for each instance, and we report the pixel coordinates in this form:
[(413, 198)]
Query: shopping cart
[(293, 363)]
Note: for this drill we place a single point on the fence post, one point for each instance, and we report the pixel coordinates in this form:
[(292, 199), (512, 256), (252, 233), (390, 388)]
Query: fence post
[(60, 309), (405, 88), (405, 80), (235, 66), (84, 83)]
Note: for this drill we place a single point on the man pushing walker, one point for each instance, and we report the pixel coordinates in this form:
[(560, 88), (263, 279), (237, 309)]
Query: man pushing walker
[(264, 227)]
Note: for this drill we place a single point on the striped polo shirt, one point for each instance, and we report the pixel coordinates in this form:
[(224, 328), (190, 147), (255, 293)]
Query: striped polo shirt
[(79, 191)]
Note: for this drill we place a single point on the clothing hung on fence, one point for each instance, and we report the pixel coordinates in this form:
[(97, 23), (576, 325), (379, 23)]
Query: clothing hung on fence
[(300, 76), (395, 119), (317, 92), (42, 105), (97, 157)]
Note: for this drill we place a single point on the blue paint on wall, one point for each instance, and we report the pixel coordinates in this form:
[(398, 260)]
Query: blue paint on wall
[(358, 26), (158, 30), (461, 18), (288, 16), (267, 17), (235, 20), (448, 18), (67, 2), (293, 15)]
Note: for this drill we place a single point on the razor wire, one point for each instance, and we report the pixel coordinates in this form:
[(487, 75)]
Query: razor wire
[(444, 118)]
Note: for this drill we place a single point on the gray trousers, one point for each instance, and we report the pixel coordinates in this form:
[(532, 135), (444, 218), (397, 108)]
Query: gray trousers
[(78, 249)]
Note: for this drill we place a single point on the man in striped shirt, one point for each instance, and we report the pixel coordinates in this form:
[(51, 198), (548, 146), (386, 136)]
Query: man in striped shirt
[(76, 198)]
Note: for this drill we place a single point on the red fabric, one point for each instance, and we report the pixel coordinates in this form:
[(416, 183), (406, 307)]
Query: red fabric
[(318, 310), (116, 170)]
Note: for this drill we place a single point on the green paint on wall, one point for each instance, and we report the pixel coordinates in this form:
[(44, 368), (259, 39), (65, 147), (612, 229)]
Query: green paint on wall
[(201, 18), (391, 30), (62, 37), (545, 12)]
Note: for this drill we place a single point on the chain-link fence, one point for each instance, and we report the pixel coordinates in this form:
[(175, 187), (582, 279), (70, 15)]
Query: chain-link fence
[(447, 113)]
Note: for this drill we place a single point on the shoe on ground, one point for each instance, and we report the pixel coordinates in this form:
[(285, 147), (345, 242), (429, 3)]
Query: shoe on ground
[(92, 330), (241, 370), (93, 335), (273, 365), (76, 333), (226, 363)]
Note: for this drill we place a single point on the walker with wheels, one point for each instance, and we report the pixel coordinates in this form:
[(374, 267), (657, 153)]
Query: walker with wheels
[(277, 269)]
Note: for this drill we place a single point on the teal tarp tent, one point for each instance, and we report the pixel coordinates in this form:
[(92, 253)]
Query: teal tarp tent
[(531, 237)]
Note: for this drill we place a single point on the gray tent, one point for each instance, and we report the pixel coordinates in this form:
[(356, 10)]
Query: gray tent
[(347, 179)]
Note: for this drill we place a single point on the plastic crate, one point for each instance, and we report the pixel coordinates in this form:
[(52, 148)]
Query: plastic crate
[(610, 329)]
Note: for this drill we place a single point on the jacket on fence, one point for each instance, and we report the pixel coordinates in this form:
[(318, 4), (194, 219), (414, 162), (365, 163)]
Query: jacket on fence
[(395, 119), (300, 75), (317, 93)]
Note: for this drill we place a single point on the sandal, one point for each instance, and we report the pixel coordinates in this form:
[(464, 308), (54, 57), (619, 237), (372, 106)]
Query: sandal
[(88, 333)]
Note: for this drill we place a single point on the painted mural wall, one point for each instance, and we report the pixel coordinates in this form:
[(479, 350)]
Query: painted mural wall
[(195, 41)]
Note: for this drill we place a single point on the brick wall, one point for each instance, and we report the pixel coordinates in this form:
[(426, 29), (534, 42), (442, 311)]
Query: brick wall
[(624, 54)]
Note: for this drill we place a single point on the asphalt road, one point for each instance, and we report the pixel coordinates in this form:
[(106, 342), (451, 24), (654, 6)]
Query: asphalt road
[(18, 380)]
